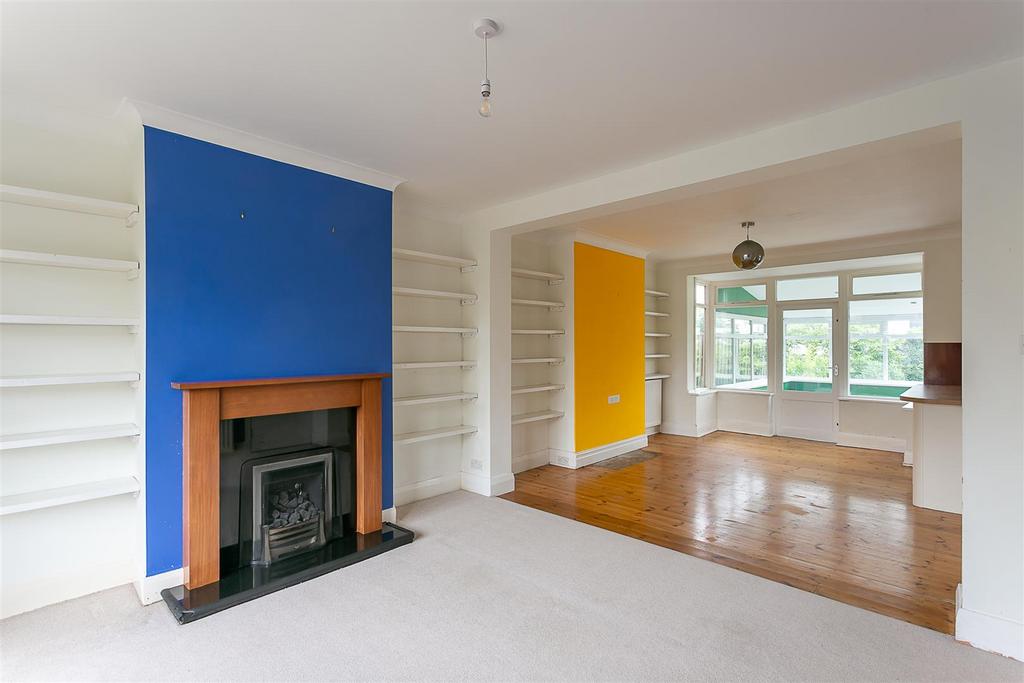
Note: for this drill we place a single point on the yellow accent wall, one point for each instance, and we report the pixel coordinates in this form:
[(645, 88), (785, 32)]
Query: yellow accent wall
[(608, 305)]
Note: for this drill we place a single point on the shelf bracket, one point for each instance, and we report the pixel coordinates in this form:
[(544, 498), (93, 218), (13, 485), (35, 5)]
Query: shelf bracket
[(131, 219)]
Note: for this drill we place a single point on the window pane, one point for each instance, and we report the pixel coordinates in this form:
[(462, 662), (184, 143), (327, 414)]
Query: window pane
[(741, 347), (736, 295), (700, 293), (808, 288), (807, 350), (886, 346), (884, 284), (698, 356)]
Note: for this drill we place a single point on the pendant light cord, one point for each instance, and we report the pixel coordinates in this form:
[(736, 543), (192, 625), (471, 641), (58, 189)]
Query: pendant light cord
[(485, 57)]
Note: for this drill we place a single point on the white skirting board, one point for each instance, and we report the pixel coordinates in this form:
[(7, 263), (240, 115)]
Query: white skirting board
[(588, 457), (746, 427), (807, 434), (988, 632), (428, 488), (497, 485), (148, 588), (390, 515), (686, 430), (527, 461), (878, 443)]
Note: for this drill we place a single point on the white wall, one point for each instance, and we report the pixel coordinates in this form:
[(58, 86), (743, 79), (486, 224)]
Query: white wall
[(942, 281), (883, 425), (744, 412), (63, 552), (487, 456)]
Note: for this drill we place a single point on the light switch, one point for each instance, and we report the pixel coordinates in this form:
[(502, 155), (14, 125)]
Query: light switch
[(614, 398)]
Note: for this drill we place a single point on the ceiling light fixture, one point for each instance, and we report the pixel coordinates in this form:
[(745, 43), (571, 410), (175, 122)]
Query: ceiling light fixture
[(748, 254), (485, 28)]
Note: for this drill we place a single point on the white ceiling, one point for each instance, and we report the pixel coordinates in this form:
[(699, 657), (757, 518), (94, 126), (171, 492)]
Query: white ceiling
[(910, 189), (579, 89)]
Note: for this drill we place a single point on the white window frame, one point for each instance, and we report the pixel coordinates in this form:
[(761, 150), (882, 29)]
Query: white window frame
[(851, 297), (693, 337), (711, 332)]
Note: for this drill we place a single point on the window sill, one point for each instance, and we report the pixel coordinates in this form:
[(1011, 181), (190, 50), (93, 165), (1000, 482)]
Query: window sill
[(701, 391), (745, 392), (873, 399)]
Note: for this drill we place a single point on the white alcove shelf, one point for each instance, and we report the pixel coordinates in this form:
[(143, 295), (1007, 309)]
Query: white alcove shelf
[(68, 202), (67, 495), (463, 264), (432, 434), (68, 379), (39, 258), (60, 436)]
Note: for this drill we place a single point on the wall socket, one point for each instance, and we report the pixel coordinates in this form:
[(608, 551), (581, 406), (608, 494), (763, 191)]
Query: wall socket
[(476, 464), (613, 399)]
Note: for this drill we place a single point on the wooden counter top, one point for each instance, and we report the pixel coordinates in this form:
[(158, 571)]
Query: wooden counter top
[(938, 394)]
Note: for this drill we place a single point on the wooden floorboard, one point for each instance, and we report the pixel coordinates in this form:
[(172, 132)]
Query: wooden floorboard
[(826, 519)]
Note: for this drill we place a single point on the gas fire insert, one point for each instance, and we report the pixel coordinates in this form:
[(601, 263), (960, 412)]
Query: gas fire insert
[(291, 500)]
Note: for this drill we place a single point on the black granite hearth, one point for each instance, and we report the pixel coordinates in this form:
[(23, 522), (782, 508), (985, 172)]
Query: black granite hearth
[(251, 582)]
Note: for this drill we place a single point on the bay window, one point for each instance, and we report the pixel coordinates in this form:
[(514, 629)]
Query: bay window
[(879, 314)]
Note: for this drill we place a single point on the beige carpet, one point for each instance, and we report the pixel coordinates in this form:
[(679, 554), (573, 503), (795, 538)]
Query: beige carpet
[(494, 590)]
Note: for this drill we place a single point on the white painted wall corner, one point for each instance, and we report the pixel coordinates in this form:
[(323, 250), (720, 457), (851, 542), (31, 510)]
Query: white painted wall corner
[(497, 485), (148, 588)]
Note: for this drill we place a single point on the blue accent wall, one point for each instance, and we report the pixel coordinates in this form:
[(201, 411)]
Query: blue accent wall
[(300, 286)]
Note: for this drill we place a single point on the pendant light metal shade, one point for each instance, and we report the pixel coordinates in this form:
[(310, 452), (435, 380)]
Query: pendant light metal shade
[(748, 254)]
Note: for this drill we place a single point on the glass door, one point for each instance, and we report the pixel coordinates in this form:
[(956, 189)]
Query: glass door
[(808, 380)]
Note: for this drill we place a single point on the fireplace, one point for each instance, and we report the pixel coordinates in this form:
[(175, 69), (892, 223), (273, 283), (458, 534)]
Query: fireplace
[(281, 483)]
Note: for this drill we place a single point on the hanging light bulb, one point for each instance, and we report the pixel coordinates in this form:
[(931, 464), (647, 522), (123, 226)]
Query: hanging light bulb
[(485, 98), (748, 254), (485, 28)]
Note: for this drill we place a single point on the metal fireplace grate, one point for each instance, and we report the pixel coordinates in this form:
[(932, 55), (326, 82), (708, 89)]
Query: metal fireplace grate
[(291, 502)]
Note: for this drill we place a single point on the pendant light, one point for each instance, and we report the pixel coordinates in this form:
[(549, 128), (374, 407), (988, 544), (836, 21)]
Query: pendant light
[(748, 254), (484, 29)]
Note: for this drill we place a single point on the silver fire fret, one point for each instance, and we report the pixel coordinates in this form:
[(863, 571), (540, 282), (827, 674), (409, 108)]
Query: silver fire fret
[(270, 544)]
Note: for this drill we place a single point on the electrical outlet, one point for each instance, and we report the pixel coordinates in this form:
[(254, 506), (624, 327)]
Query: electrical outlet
[(613, 399), (476, 464)]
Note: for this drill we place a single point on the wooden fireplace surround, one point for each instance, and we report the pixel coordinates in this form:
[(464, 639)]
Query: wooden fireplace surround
[(205, 404)]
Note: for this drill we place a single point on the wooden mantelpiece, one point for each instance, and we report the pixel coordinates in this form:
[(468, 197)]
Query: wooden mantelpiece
[(205, 404)]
